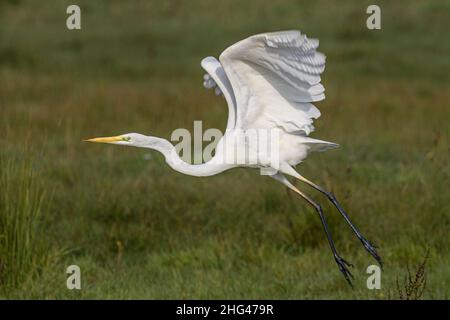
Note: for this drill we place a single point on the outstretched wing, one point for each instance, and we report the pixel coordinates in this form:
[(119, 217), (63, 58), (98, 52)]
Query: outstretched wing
[(275, 77), (217, 79)]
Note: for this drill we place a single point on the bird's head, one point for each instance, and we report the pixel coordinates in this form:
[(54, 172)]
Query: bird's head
[(137, 140), (127, 139)]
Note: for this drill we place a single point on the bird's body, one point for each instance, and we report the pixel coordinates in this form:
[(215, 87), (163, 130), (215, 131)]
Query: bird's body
[(269, 81)]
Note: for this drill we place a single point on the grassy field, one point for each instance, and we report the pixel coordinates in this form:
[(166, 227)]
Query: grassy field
[(137, 229)]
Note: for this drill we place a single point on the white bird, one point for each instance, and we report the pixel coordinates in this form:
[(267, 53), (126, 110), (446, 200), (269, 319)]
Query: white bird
[(269, 82)]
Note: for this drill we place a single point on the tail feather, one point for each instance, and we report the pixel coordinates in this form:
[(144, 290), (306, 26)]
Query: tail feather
[(316, 145)]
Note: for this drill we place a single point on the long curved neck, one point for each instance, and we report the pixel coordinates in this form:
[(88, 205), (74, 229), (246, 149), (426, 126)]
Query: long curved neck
[(212, 167)]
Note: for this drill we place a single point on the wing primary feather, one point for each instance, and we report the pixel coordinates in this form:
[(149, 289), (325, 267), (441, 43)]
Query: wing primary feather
[(275, 77)]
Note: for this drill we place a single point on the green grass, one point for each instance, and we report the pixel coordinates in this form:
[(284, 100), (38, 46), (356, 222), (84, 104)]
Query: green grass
[(139, 230), (24, 249)]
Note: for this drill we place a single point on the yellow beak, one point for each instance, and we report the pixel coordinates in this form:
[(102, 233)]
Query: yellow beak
[(106, 139)]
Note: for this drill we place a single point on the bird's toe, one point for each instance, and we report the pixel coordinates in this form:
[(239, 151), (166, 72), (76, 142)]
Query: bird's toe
[(344, 268)]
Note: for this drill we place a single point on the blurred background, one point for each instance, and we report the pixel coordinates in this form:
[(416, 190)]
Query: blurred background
[(137, 229)]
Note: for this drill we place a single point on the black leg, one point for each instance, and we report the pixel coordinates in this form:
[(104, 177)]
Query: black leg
[(342, 263), (366, 243)]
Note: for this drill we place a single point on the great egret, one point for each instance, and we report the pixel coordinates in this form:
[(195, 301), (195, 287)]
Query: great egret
[(269, 82)]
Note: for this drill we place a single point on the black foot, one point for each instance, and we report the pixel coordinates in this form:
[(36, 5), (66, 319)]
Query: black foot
[(372, 250), (343, 267)]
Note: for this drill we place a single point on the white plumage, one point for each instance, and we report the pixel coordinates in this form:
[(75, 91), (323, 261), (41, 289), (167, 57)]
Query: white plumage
[(269, 82)]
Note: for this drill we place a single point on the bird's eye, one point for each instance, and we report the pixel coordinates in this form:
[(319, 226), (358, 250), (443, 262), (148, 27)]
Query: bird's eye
[(126, 139)]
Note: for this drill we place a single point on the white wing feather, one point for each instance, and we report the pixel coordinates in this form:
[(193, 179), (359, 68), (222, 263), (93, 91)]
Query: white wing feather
[(219, 78), (275, 77)]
